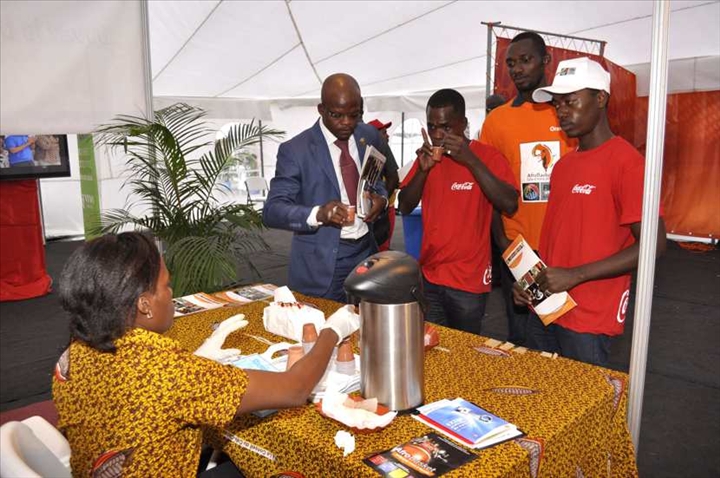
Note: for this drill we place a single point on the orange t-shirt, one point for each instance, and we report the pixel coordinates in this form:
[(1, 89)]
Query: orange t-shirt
[(531, 139)]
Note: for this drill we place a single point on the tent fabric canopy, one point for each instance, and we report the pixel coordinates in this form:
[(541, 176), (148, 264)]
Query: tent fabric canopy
[(70, 65), (276, 49)]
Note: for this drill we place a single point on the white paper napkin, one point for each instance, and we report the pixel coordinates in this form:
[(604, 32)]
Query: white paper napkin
[(286, 317), (333, 406), (284, 294)]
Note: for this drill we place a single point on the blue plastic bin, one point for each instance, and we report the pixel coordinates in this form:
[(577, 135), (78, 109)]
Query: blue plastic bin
[(413, 231)]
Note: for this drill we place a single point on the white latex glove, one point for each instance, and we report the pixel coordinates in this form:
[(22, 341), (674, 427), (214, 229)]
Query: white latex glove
[(344, 322), (212, 347)]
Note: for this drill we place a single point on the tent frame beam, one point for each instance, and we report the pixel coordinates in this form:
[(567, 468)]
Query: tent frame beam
[(558, 35)]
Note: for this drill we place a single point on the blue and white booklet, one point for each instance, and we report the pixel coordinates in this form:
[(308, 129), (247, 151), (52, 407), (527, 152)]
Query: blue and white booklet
[(467, 423), (256, 362)]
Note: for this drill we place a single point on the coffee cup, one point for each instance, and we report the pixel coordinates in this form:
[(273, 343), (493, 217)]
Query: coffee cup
[(437, 153), (350, 219), (295, 353)]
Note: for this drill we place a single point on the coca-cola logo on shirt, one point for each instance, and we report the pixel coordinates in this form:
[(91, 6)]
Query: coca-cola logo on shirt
[(461, 186), (622, 306), (487, 276), (583, 189)]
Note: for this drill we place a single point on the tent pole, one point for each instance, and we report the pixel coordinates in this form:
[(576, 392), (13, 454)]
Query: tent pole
[(147, 62), (651, 202), (402, 139), (147, 80), (262, 157), (488, 60)]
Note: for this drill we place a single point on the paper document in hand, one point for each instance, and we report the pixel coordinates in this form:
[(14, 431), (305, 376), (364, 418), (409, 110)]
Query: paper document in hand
[(525, 265), (372, 169), (467, 423)]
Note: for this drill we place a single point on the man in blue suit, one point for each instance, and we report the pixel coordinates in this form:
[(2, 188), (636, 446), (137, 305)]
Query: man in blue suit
[(316, 180)]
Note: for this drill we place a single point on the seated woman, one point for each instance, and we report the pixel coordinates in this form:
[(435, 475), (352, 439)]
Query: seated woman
[(131, 400)]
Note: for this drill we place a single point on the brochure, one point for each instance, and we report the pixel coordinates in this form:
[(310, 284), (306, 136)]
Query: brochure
[(525, 265), (428, 455), (467, 423), (193, 303), (244, 295), (372, 169)]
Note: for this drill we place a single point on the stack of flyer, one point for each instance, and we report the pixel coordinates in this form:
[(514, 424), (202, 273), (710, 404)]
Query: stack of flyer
[(467, 423), (525, 265), (193, 303), (243, 295), (201, 301)]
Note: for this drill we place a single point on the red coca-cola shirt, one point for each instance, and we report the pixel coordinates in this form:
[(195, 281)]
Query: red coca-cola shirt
[(594, 198), (456, 214)]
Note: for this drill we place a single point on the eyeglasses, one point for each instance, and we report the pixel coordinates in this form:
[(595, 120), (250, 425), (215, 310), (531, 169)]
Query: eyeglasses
[(356, 115)]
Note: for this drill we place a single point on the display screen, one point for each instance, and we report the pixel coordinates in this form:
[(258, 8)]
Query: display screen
[(34, 156)]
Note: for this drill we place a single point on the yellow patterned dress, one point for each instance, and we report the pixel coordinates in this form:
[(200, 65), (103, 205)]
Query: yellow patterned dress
[(138, 412)]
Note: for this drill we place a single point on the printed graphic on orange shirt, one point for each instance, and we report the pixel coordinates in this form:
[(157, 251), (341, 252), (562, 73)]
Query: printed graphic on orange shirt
[(531, 191), (544, 154), (537, 160)]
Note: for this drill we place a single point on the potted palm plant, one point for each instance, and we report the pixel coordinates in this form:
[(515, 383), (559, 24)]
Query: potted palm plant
[(178, 189)]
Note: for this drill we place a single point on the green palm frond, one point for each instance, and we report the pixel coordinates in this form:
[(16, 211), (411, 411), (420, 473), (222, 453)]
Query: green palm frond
[(177, 192)]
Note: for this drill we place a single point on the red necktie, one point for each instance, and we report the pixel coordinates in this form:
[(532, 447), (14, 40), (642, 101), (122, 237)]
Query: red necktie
[(349, 171)]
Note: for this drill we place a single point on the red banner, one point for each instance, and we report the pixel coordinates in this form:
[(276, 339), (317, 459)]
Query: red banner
[(22, 255)]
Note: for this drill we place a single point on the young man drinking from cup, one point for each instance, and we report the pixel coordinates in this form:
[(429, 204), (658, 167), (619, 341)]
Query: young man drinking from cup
[(459, 190)]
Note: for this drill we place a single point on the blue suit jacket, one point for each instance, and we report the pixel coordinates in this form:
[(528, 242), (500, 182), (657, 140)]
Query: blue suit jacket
[(304, 178)]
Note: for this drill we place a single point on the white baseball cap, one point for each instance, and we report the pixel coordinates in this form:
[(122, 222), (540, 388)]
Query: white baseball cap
[(574, 75)]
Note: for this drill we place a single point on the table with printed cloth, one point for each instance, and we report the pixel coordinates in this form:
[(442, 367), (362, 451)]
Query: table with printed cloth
[(573, 414)]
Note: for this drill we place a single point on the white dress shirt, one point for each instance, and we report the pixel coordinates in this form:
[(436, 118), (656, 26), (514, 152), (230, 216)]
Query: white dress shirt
[(358, 229)]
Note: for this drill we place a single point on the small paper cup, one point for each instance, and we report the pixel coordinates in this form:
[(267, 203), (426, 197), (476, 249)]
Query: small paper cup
[(295, 353), (437, 153), (350, 219)]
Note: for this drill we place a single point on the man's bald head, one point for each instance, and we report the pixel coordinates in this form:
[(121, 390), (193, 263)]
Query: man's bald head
[(341, 104), (339, 84)]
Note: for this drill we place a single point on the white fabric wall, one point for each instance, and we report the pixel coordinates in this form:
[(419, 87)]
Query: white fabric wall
[(61, 202), (684, 75), (69, 65)]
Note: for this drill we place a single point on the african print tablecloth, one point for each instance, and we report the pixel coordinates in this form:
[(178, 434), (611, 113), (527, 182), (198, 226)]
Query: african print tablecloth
[(573, 413)]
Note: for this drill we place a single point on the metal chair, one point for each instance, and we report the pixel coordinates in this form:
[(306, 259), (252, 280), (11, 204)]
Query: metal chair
[(257, 190)]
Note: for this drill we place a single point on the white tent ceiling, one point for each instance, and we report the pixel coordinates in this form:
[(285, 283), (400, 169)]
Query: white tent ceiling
[(279, 49)]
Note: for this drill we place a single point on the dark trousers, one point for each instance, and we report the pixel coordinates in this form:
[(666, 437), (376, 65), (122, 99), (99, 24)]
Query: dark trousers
[(589, 348), (517, 316), (454, 308), (350, 254)]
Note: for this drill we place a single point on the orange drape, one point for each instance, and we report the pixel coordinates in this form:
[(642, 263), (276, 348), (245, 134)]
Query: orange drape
[(691, 162)]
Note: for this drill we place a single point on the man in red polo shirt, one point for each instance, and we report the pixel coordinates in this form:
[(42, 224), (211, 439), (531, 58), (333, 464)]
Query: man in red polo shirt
[(590, 235), (458, 192)]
